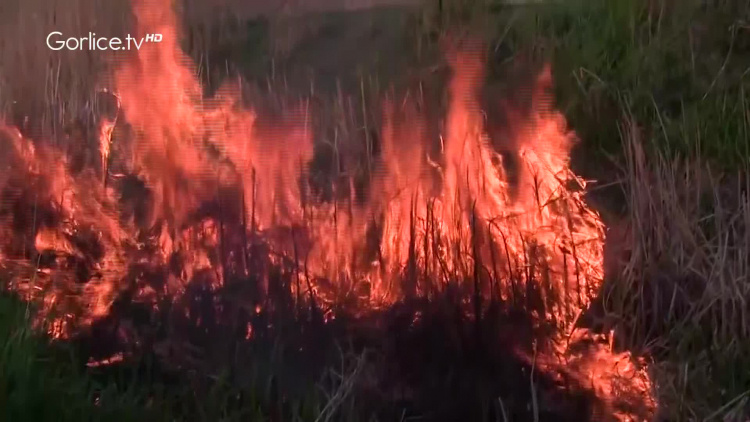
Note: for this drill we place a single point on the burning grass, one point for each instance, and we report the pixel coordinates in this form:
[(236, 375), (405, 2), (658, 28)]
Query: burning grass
[(239, 257), (231, 232), (676, 75)]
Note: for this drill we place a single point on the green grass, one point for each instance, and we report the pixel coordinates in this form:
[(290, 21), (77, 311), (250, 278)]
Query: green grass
[(41, 380), (658, 87), (680, 69)]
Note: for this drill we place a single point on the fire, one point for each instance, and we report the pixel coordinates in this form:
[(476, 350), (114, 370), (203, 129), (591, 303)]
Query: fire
[(453, 221)]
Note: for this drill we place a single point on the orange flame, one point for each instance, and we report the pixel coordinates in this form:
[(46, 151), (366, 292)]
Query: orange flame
[(441, 219)]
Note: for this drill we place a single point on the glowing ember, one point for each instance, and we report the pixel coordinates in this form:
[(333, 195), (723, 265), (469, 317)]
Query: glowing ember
[(440, 220), (105, 362)]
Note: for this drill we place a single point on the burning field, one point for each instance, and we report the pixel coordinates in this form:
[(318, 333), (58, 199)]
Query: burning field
[(197, 230)]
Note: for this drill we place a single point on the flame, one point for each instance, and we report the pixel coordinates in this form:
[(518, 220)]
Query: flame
[(440, 219)]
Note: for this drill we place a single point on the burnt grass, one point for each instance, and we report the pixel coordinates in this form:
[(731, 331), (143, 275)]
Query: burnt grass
[(676, 69), (427, 359), (191, 357), (420, 359), (445, 366), (440, 368)]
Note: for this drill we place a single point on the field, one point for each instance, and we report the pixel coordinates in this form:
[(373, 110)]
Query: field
[(654, 90)]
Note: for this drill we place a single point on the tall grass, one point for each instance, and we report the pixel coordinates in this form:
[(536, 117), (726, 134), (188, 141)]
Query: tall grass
[(661, 88), (680, 68), (675, 72), (680, 294), (44, 91), (45, 381), (42, 383), (50, 87), (658, 89)]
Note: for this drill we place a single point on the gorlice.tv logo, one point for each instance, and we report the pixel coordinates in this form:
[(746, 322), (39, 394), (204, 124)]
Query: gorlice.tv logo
[(56, 41)]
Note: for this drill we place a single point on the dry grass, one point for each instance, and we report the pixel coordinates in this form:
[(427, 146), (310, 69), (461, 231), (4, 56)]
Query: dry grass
[(682, 289), (49, 89), (53, 86), (681, 293)]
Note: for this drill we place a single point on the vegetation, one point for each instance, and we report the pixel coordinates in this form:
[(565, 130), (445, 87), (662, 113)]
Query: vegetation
[(42, 381), (679, 69), (657, 89)]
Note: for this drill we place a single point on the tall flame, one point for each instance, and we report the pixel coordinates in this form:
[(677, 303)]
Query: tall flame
[(453, 221)]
